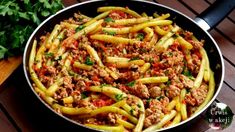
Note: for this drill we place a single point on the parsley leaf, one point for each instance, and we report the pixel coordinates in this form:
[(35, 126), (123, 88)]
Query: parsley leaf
[(131, 84), (79, 28), (49, 55), (140, 36), (108, 19), (58, 58), (88, 61), (134, 58), (188, 74), (2, 51), (132, 111), (18, 21), (168, 82), (160, 97), (119, 97), (84, 95), (148, 101)]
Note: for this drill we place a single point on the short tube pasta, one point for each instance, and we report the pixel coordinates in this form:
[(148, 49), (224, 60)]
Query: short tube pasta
[(153, 79)]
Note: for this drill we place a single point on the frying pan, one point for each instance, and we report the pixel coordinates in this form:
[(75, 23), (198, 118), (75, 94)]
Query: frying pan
[(199, 27)]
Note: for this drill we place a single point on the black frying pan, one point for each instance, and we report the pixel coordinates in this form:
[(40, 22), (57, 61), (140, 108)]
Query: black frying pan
[(211, 17)]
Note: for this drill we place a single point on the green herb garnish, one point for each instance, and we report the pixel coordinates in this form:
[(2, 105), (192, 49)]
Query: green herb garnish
[(59, 58), (119, 97), (148, 101), (134, 58), (151, 60), (88, 61), (49, 55), (109, 32), (188, 74), (175, 36), (79, 28), (132, 111), (170, 54), (140, 36), (160, 97), (84, 95), (108, 19), (187, 90), (168, 83), (131, 84)]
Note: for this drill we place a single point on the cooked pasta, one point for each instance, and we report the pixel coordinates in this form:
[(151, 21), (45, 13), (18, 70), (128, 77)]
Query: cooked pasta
[(122, 71)]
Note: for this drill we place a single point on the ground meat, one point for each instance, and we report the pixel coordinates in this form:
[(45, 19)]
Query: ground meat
[(165, 101), (200, 93), (51, 70), (76, 94), (80, 85), (171, 58), (46, 80), (103, 73), (155, 91), (176, 82), (135, 75), (68, 82), (129, 75), (60, 93), (81, 18), (140, 90), (91, 121), (196, 62), (187, 35), (152, 119), (131, 100), (189, 99), (117, 15), (172, 91), (188, 83), (111, 118), (196, 44), (109, 80), (84, 103), (153, 113)]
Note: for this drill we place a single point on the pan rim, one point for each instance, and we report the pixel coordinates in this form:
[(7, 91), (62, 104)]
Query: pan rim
[(26, 73)]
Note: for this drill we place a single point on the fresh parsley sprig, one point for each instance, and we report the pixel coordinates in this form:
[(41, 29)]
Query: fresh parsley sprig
[(19, 19)]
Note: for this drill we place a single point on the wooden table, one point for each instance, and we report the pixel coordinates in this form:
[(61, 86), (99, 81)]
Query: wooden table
[(20, 113)]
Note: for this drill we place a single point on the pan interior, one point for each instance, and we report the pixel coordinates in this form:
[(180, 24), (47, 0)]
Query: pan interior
[(90, 9)]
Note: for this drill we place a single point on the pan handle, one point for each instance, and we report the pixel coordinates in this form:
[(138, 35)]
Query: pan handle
[(215, 13)]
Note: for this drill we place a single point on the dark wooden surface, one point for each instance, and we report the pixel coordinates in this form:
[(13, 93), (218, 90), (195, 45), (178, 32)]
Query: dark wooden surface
[(20, 111)]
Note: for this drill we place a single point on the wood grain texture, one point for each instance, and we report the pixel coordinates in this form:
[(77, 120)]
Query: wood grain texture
[(8, 66), (177, 6), (12, 99), (200, 5), (226, 47), (232, 15), (69, 2), (6, 125), (25, 112), (229, 74)]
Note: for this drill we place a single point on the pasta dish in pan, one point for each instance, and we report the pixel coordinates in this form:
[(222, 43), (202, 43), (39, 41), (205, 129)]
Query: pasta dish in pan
[(122, 71)]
